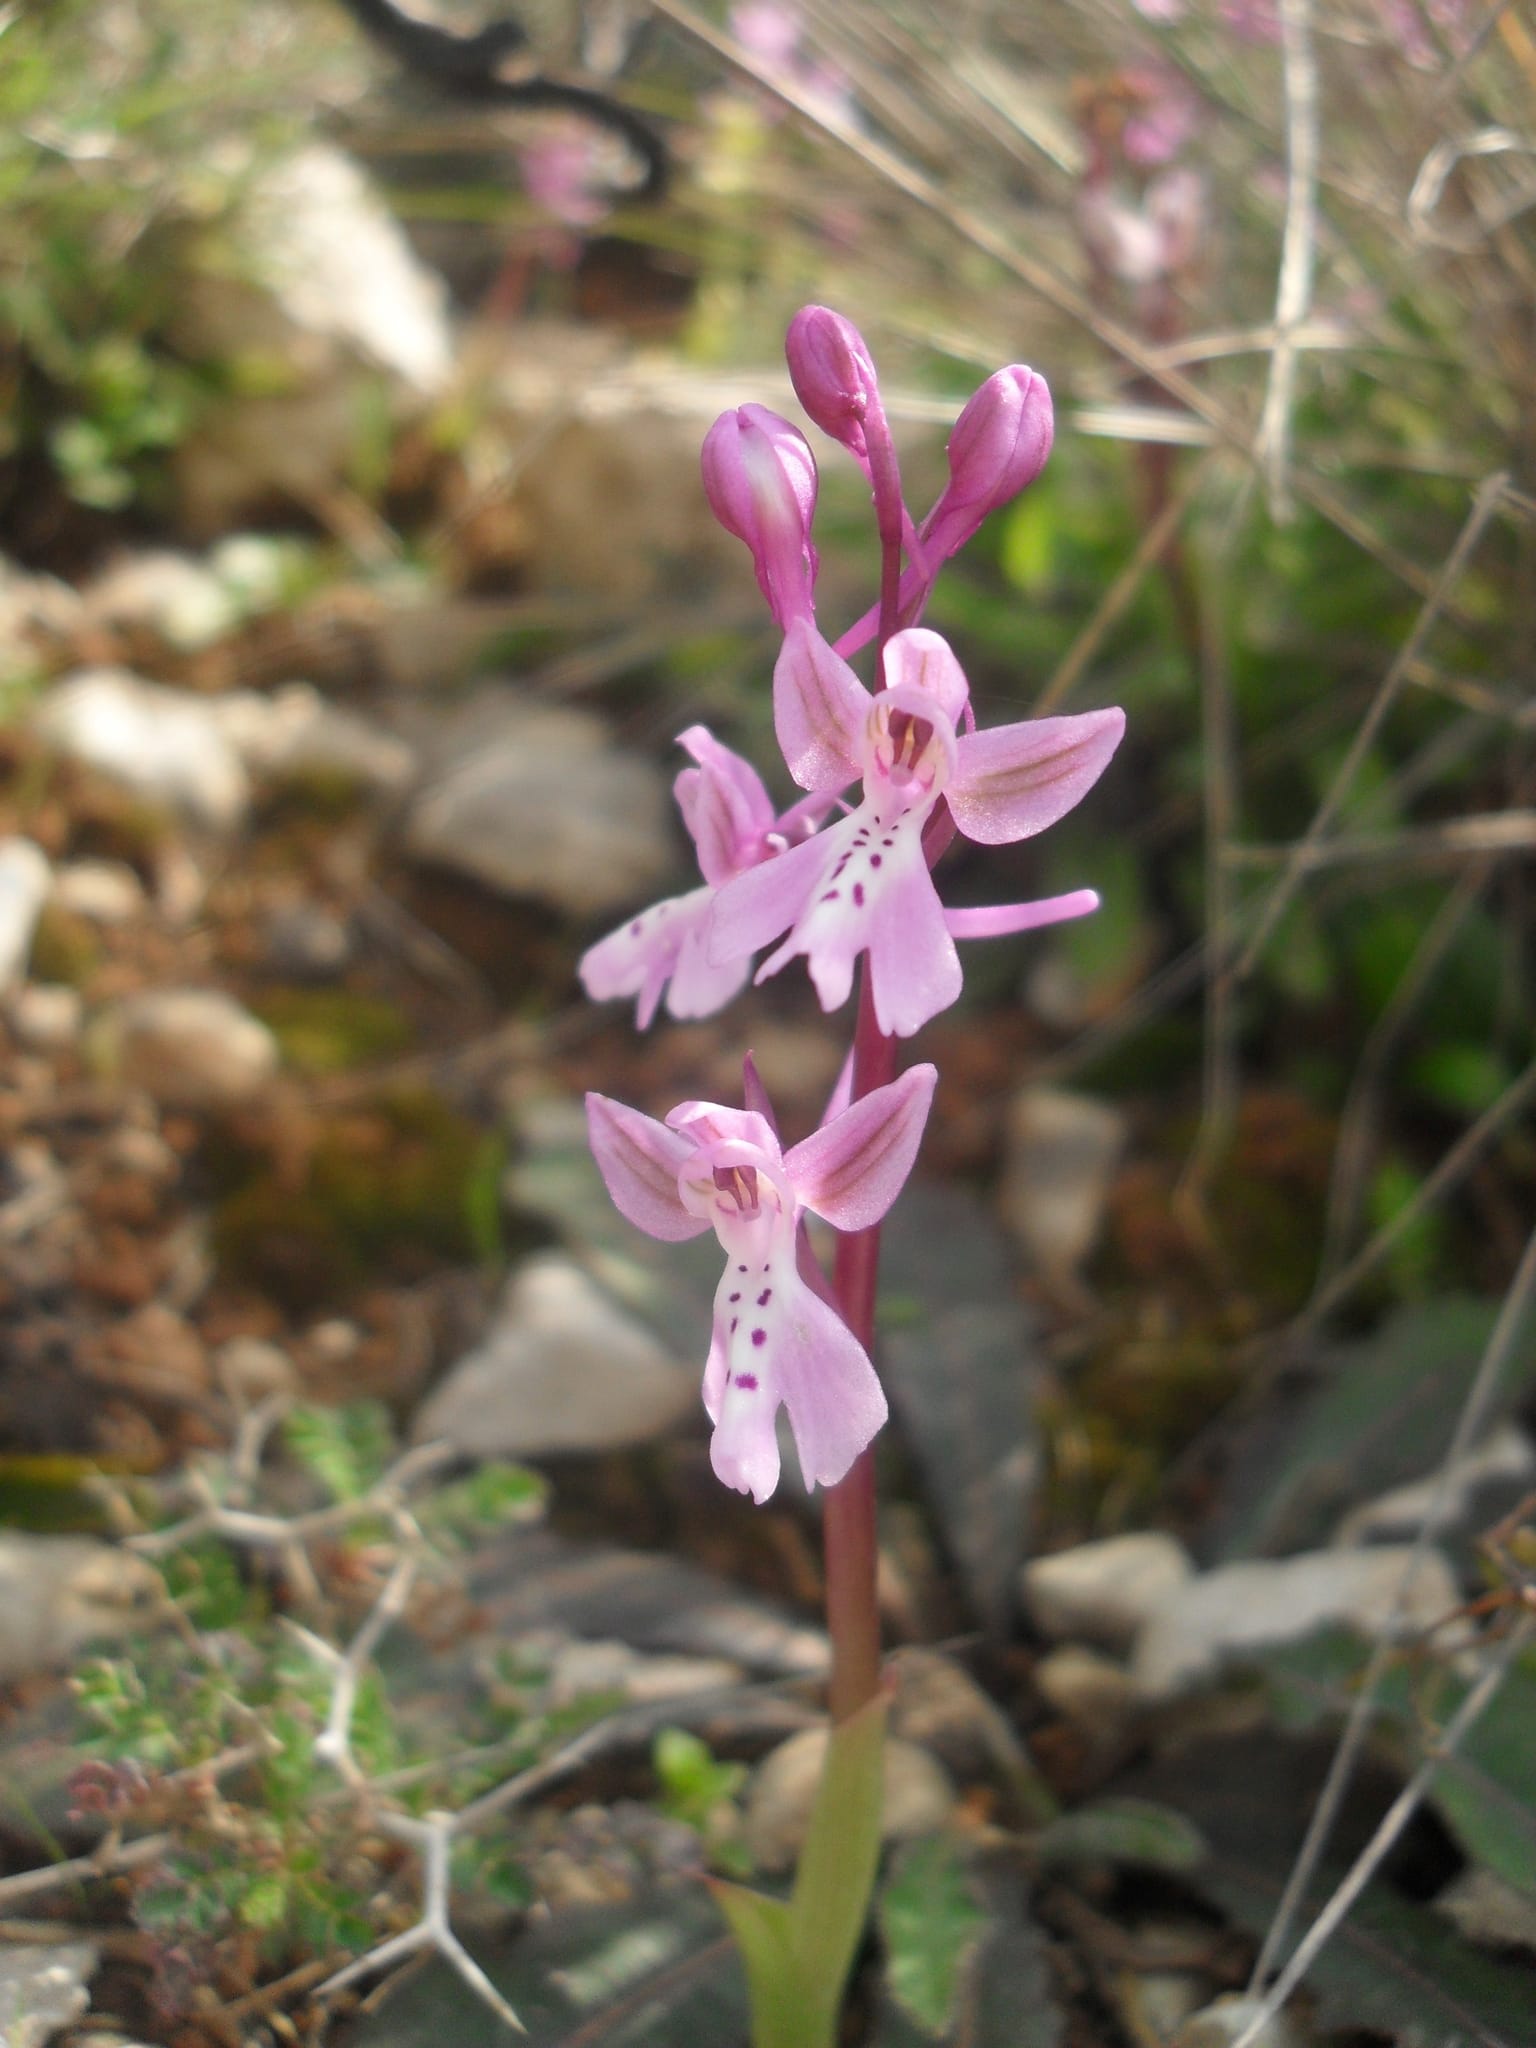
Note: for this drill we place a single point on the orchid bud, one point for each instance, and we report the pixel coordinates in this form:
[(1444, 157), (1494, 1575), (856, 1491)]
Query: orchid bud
[(999, 445), (833, 374), (760, 480)]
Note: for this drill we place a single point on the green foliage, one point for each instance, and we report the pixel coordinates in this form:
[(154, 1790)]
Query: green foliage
[(930, 1924), (345, 1449), (492, 1496), (699, 1790)]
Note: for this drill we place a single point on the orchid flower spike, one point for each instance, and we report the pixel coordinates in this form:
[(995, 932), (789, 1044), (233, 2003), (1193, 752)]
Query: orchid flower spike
[(775, 1340), (760, 480), (731, 820), (863, 884)]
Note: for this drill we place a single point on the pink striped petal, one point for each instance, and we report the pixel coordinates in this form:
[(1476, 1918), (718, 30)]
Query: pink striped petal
[(640, 1160), (852, 1169), (724, 805), (997, 920), (819, 708), (1013, 780)]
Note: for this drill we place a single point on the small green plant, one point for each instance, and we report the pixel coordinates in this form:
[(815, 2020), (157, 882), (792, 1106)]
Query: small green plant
[(699, 1790)]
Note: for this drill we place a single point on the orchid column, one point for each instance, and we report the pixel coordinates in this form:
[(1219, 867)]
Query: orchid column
[(842, 879)]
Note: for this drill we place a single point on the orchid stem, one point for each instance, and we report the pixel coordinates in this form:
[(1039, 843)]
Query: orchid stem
[(848, 1523)]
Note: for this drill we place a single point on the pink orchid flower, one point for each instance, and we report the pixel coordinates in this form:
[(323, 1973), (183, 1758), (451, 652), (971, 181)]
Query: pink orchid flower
[(730, 818), (775, 1339), (863, 884), (760, 480)]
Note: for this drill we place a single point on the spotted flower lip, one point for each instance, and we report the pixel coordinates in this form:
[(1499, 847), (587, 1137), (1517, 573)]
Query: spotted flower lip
[(661, 951), (863, 883), (775, 1340)]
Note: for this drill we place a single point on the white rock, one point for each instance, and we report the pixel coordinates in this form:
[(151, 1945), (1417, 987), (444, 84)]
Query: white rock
[(1508, 1455), (1061, 1152), (1489, 1911), (160, 743), (296, 732), (58, 1594), (561, 1369), (1103, 1592), (43, 1988), (177, 598), (535, 802), (1088, 1687), (339, 264), (45, 1015), (1225, 2022), (919, 1797), (105, 891), (25, 879), (1214, 1619), (191, 1048), (250, 1370)]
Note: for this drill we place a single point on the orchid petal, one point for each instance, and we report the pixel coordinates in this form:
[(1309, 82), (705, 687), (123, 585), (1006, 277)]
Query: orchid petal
[(724, 805), (852, 1169), (712, 1123), (757, 906), (998, 920), (835, 1401), (819, 708), (914, 970), (701, 986), (638, 958), (754, 1095), (640, 1161), (920, 659), (1013, 780)]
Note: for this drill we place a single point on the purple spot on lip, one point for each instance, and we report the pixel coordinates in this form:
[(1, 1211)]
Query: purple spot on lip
[(858, 894), (759, 1336), (830, 897), (765, 1297), (747, 1381), (741, 1269), (734, 1321), (735, 1297), (875, 859), (634, 930)]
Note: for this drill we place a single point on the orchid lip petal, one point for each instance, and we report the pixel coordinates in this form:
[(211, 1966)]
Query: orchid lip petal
[(999, 920), (921, 659), (853, 1168), (640, 1160), (1011, 781)]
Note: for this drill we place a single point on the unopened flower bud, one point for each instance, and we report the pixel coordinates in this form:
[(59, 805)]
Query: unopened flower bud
[(760, 480), (999, 445), (833, 374)]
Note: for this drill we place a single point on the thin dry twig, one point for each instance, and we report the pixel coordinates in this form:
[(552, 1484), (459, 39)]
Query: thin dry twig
[(1396, 1818), (433, 1837), (1485, 504), (1469, 1424), (1456, 1162), (1293, 292)]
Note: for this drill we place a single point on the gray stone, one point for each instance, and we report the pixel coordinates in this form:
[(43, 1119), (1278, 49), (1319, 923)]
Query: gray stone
[(1506, 1458), (1213, 1620), (189, 1048), (25, 879), (1061, 1151), (306, 943), (162, 744), (534, 801), (43, 1988), (294, 732), (919, 1797), (561, 1369), (1103, 1592), (60, 1593)]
